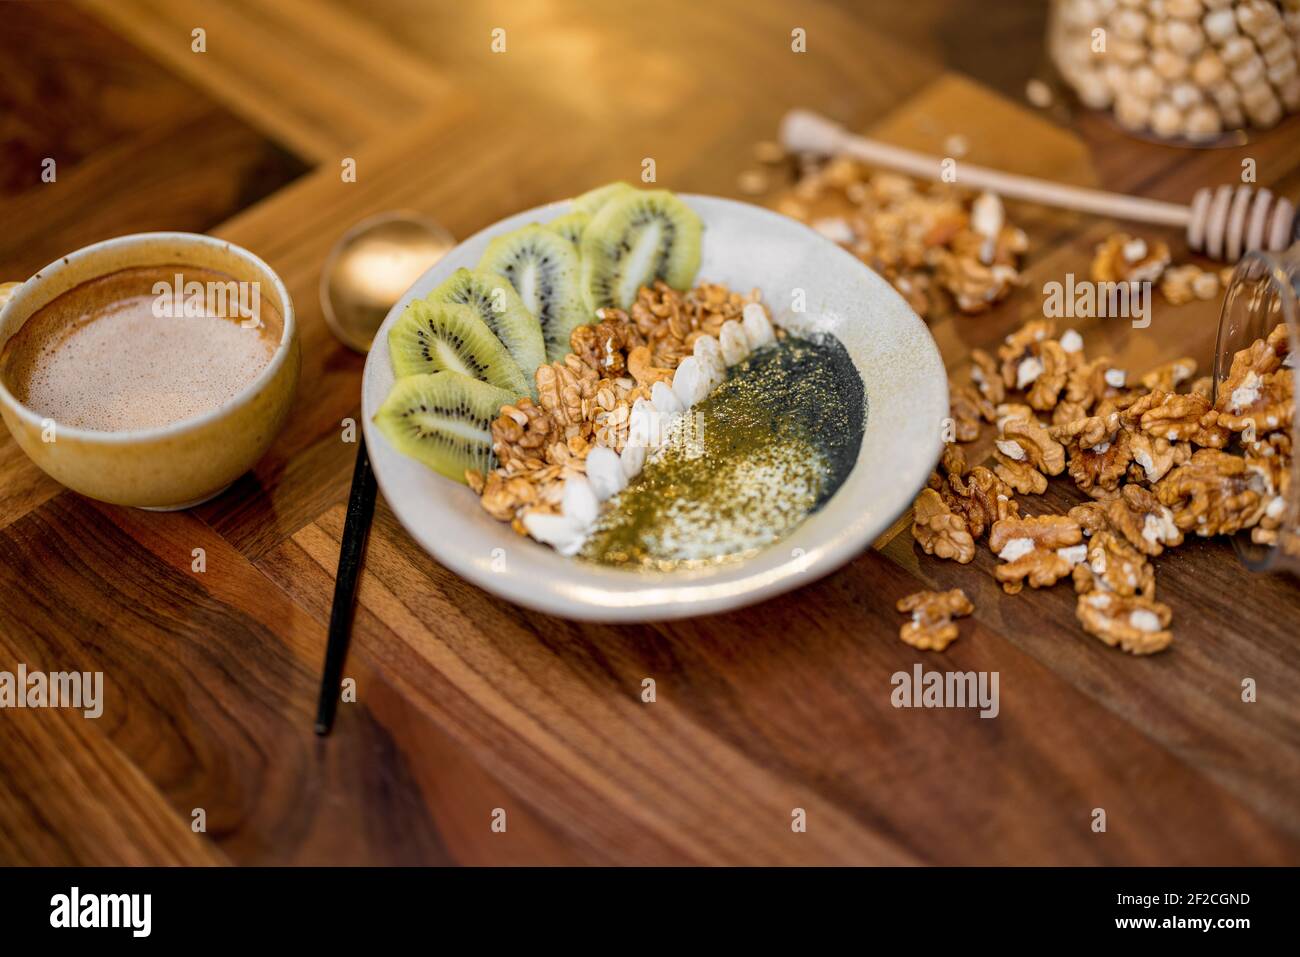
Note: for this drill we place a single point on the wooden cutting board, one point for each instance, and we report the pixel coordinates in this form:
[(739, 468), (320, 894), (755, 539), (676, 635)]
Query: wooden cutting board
[(467, 706)]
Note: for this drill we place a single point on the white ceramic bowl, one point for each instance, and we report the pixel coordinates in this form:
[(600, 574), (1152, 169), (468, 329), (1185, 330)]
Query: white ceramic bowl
[(744, 246)]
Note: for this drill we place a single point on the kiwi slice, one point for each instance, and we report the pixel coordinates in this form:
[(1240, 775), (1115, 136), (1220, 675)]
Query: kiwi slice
[(443, 419), (545, 270), (636, 238), (433, 337), (591, 201), (570, 225), (495, 301)]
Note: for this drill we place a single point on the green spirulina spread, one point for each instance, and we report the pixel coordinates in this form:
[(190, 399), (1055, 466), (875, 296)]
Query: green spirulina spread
[(768, 447)]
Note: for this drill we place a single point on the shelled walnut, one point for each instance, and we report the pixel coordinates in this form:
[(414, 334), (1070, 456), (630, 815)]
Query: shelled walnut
[(1211, 494), (1153, 458), (1115, 565), (1026, 454), (986, 377), (932, 627), (1039, 550), (1124, 258), (980, 498), (1140, 517), (934, 243), (1168, 376), (1134, 623), (1018, 356), (1160, 461), (1188, 282), (967, 408), (1047, 388), (1259, 403), (1176, 417), (939, 531)]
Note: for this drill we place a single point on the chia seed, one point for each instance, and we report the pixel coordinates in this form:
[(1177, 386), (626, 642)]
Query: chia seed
[(743, 468)]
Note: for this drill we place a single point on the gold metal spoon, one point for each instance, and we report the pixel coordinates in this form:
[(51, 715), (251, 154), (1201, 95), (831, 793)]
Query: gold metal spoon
[(371, 266)]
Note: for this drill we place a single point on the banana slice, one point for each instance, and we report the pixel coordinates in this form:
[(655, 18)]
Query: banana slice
[(690, 382), (758, 328), (605, 473), (709, 354), (734, 342), (632, 460), (579, 502), (665, 401), (561, 532), (643, 425)]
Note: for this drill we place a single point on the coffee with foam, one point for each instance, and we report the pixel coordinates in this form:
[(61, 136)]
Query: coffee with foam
[(119, 353)]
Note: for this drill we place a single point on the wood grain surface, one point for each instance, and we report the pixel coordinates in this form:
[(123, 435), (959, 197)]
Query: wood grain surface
[(466, 705)]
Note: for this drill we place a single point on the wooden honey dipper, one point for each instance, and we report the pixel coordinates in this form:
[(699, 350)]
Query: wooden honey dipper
[(1221, 222)]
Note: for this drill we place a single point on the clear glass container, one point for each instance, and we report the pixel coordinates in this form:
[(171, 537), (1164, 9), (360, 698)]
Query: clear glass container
[(1180, 71), (1263, 292)]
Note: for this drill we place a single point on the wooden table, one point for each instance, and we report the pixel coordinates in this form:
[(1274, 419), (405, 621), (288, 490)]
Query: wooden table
[(466, 704)]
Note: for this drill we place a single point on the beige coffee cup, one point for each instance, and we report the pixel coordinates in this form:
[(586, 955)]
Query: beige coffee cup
[(188, 461)]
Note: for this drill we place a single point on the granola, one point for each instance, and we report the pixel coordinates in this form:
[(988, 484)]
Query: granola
[(586, 400)]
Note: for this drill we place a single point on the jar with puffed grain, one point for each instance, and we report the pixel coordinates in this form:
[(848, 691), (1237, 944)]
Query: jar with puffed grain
[(1181, 70)]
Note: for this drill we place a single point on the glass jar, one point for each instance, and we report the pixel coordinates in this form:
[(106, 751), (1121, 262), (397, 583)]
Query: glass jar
[(1262, 293), (1188, 71)]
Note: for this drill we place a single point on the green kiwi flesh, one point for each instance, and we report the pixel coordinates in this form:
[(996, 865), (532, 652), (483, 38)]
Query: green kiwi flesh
[(444, 420), (543, 267), (495, 301), (436, 337), (591, 201), (570, 225), (636, 238)]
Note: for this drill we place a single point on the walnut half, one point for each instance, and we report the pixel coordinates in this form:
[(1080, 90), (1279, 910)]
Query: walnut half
[(932, 627), (939, 531), (1040, 550), (1025, 454), (1136, 624)]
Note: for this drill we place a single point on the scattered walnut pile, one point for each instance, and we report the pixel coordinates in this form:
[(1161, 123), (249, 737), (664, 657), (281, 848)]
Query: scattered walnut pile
[(929, 240), (1158, 464), (1124, 258), (587, 399)]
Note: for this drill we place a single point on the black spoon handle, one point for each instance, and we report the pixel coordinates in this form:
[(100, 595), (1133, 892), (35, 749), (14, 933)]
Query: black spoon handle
[(356, 528)]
